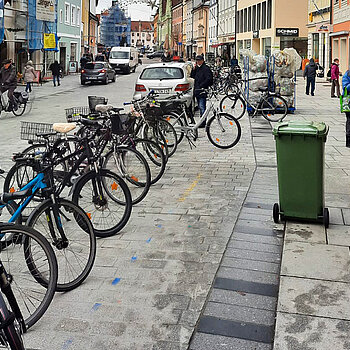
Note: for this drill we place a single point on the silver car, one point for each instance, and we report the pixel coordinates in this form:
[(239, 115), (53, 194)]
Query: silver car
[(166, 79)]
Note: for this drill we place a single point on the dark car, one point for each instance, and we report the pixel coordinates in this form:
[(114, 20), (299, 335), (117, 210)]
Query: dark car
[(155, 54), (97, 71)]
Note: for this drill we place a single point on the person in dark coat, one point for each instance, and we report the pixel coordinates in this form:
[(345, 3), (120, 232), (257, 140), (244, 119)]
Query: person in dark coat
[(166, 57), (310, 75), (83, 61), (8, 82), (203, 78), (55, 69)]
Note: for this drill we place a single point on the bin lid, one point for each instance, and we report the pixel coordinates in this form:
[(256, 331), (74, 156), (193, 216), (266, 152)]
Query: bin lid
[(318, 129)]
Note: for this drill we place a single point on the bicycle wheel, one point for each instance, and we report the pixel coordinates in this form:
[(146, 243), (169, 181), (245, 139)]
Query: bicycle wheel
[(233, 104), (106, 199), (175, 120), (133, 168), (12, 332), (223, 130), (26, 254), (154, 155), (20, 110), (76, 251), (274, 108)]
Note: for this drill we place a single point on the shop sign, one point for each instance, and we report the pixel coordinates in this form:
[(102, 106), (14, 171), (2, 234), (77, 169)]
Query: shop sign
[(231, 38), (49, 41), (45, 10), (287, 31), (255, 34), (324, 28)]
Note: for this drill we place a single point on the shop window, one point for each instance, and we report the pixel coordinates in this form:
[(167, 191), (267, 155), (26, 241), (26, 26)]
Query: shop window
[(263, 15), (267, 47), (269, 14), (258, 17), (73, 51), (316, 46)]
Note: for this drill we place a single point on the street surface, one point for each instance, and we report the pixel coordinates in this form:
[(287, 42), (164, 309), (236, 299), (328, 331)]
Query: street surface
[(206, 224)]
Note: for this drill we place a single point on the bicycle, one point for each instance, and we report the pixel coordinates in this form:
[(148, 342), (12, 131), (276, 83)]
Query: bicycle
[(223, 130), (270, 104), (21, 99)]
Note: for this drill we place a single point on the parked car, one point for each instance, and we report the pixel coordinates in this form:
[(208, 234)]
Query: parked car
[(97, 71), (166, 79), (125, 59), (155, 54)]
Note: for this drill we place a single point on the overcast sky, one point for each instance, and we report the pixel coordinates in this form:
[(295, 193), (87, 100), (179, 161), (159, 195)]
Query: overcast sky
[(137, 12)]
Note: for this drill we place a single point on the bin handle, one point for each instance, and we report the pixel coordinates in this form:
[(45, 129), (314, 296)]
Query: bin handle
[(296, 124)]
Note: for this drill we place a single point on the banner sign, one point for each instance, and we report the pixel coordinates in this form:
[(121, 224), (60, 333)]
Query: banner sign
[(2, 28), (49, 41), (45, 10), (287, 31), (324, 28)]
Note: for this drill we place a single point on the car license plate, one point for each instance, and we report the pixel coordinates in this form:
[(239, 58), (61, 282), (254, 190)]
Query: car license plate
[(91, 78), (162, 91)]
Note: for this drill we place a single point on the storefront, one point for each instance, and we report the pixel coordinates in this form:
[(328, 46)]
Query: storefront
[(289, 37)]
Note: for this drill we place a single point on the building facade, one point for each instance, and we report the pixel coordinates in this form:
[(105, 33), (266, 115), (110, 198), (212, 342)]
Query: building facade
[(213, 26), (200, 14), (340, 38), (69, 33), (142, 34), (164, 24), (155, 30), (319, 29), (270, 25), (176, 27), (189, 28)]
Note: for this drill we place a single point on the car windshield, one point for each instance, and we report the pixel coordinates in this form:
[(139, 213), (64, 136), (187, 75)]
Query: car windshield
[(162, 73), (119, 54), (94, 66)]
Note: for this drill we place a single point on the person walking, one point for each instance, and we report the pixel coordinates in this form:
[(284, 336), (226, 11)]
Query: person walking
[(8, 82), (335, 78), (346, 85), (310, 75), (203, 78), (29, 75), (166, 57), (55, 69)]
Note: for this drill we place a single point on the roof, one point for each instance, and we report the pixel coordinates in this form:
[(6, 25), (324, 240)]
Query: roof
[(143, 26)]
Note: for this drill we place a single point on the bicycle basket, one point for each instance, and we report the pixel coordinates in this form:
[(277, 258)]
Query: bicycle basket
[(152, 112), (29, 131), (73, 114), (170, 106), (122, 123), (96, 100)]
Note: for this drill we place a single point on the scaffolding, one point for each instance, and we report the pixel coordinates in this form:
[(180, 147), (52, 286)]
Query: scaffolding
[(115, 28)]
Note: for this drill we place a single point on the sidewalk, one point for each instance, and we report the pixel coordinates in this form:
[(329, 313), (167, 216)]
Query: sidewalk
[(311, 291)]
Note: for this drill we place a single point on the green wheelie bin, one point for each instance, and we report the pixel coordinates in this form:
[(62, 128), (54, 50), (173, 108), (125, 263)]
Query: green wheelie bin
[(300, 152)]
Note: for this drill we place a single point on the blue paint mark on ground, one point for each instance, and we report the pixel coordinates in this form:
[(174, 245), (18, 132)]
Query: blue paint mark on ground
[(134, 258), (159, 226), (96, 307), (149, 240), (116, 281), (67, 344)]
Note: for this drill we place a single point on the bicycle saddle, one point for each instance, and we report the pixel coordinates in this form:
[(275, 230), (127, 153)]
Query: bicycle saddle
[(263, 89), (64, 128)]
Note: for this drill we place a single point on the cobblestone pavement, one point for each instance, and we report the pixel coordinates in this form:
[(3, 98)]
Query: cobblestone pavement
[(149, 284)]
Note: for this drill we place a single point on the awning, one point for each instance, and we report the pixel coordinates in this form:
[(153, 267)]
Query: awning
[(217, 45), (344, 32)]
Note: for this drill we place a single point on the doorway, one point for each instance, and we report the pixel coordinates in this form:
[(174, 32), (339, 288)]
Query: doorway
[(62, 62)]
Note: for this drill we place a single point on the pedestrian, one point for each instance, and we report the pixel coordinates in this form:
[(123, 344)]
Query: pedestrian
[(55, 69), (234, 62), (166, 57), (8, 82), (310, 75), (29, 75), (335, 78), (346, 85), (203, 78), (83, 61)]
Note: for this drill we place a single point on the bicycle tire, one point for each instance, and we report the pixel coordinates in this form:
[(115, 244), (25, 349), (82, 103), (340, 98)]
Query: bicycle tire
[(233, 104), (23, 237), (138, 181), (155, 157), (175, 120), (216, 122), (98, 203), (81, 237), (13, 336), (21, 109), (278, 107)]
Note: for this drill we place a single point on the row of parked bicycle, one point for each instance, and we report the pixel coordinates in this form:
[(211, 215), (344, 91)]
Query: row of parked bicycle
[(79, 180)]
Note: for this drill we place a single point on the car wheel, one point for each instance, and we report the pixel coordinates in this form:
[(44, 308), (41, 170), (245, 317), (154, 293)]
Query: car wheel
[(82, 82), (113, 80), (106, 80)]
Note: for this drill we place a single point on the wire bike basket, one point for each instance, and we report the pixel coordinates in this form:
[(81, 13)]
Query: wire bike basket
[(31, 130), (73, 114)]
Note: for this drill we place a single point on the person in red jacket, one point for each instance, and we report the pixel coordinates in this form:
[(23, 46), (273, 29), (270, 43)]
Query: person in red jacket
[(335, 78)]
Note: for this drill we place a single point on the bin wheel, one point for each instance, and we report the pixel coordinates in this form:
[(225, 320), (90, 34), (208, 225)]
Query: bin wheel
[(326, 217), (276, 213)]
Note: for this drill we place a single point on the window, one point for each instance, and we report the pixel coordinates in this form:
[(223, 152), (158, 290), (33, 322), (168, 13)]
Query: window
[(78, 17), (263, 16), (132, 41), (66, 13), (73, 51), (61, 16), (269, 14), (241, 21), (245, 20), (249, 19), (73, 15), (254, 18), (258, 17), (315, 46), (164, 73), (132, 34)]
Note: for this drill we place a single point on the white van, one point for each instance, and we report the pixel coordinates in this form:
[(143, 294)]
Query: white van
[(124, 59)]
